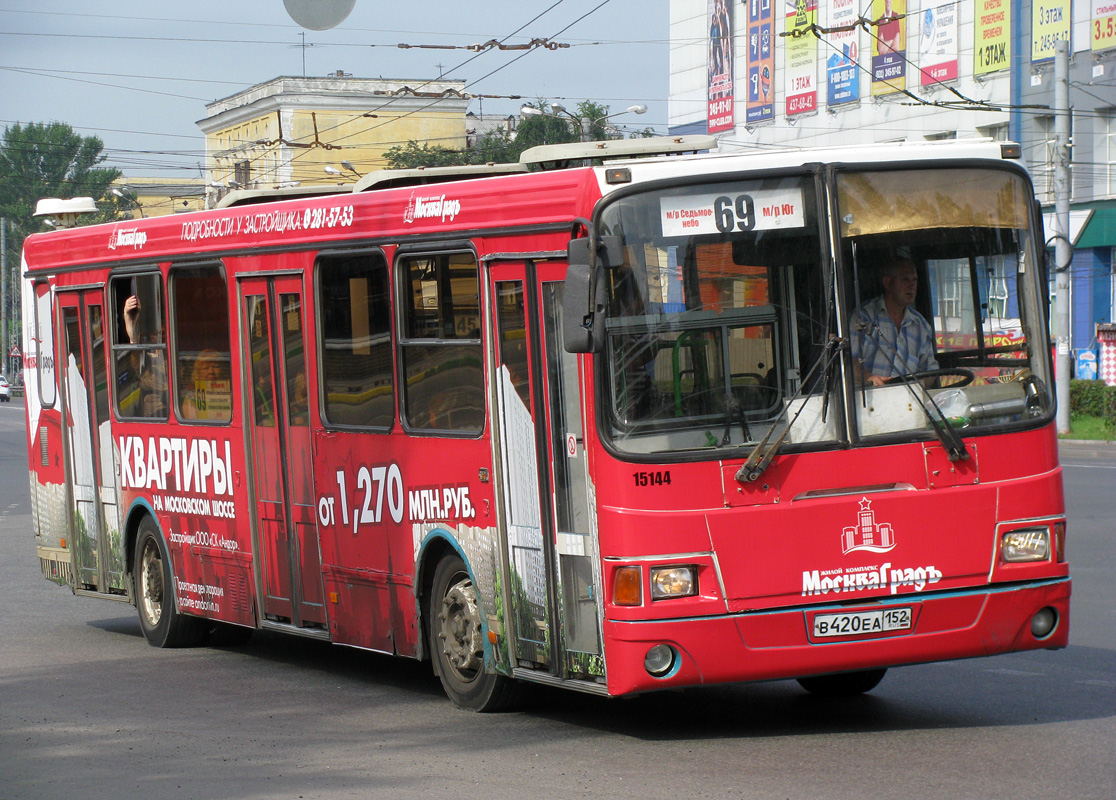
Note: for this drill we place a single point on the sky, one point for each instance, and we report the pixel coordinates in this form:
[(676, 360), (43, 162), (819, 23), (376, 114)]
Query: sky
[(138, 73)]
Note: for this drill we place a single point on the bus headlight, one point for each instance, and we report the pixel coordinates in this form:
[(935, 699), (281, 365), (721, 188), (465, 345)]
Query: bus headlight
[(1026, 544), (673, 582)]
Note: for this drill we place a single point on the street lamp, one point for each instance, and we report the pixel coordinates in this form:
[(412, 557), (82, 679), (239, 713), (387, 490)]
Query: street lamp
[(332, 170), (586, 124), (126, 194)]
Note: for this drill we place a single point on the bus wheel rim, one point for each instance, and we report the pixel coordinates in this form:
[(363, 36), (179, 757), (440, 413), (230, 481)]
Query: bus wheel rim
[(460, 630), (152, 586)]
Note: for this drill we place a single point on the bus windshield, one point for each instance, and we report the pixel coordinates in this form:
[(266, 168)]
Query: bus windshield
[(730, 319)]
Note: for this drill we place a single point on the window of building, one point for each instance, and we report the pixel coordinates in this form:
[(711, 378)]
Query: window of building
[(997, 270), (1041, 158), (200, 309), (440, 346), (354, 305), (242, 172), (997, 133), (140, 346)]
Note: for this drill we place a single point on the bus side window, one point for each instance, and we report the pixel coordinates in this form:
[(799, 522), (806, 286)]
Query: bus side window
[(200, 305), (354, 306), (442, 363), (140, 347)]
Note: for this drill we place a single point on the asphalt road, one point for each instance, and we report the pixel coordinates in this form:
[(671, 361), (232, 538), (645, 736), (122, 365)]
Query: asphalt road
[(87, 708)]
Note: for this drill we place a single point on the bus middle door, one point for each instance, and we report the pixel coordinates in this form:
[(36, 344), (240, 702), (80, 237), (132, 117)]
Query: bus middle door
[(551, 555), (273, 345)]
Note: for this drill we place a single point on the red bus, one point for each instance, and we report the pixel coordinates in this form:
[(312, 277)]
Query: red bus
[(618, 427)]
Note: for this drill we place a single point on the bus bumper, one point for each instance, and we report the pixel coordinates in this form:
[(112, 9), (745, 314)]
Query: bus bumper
[(780, 644)]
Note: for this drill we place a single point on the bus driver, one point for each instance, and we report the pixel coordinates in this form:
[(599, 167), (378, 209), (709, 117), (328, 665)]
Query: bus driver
[(890, 338)]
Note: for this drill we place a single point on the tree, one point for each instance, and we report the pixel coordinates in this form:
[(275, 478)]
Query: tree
[(499, 148), (38, 161), (50, 160)]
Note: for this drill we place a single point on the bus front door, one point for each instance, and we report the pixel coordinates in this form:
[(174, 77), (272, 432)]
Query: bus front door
[(552, 570), (97, 556), (273, 344)]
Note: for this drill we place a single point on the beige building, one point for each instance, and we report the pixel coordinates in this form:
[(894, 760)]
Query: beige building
[(158, 197), (289, 130)]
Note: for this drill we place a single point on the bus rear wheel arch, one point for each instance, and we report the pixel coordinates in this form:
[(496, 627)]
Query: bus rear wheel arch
[(455, 628), (161, 622)]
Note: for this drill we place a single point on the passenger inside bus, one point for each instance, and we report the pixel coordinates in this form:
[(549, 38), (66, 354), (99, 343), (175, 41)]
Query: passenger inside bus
[(298, 412), (889, 337), (150, 364), (207, 392)]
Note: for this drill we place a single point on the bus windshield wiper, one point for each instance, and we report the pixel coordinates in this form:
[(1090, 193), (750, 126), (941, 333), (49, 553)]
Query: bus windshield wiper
[(763, 453), (951, 440), (949, 437)]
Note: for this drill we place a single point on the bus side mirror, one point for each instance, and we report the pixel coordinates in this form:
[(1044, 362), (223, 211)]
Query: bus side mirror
[(583, 303)]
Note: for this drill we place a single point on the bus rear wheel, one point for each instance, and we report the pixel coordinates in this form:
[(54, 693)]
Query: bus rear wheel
[(844, 684), (456, 633), (162, 624)]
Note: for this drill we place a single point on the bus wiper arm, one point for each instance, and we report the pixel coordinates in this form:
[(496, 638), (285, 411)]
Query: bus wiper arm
[(949, 437), (951, 440), (761, 456)]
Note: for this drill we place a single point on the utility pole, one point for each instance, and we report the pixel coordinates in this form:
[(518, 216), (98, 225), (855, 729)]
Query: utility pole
[(4, 292), (1063, 252)]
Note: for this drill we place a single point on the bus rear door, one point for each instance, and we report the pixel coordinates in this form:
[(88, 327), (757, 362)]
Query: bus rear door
[(98, 560), (551, 557), (273, 344)]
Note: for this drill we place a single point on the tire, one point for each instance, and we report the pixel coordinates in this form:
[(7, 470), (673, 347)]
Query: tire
[(161, 622), (456, 631), (843, 684)]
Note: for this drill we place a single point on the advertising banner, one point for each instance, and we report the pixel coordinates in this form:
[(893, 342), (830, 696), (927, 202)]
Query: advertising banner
[(889, 46), (842, 61), (937, 51), (1102, 27), (992, 36), (721, 115), (1050, 22), (800, 79), (760, 103)]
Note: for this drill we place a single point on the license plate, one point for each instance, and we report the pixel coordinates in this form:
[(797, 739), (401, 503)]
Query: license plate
[(860, 623)]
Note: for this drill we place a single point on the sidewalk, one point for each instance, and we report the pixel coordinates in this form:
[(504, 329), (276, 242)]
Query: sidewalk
[(1087, 448)]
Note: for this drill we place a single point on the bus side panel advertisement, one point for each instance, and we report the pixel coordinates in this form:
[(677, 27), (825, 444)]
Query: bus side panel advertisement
[(376, 513), (190, 481)]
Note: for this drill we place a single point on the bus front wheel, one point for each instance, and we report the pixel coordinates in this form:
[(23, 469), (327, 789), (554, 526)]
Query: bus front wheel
[(457, 642), (844, 684), (162, 624)]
